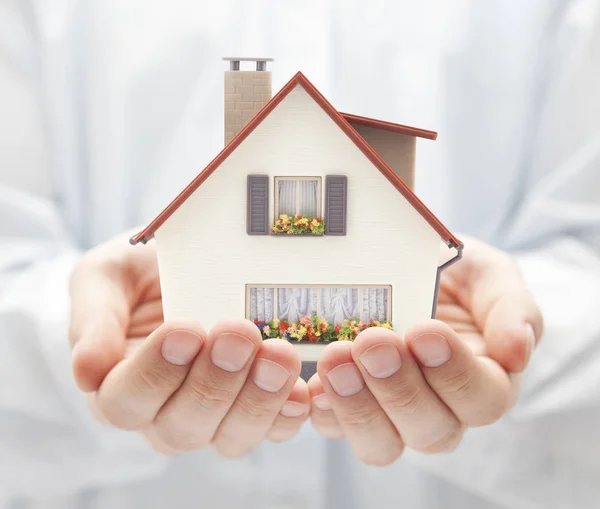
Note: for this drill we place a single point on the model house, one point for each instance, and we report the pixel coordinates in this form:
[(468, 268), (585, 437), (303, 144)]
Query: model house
[(306, 222)]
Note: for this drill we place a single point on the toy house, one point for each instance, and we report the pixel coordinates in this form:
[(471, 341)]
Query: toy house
[(305, 223)]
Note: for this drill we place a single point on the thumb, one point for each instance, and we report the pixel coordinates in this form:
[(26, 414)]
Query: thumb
[(512, 331)]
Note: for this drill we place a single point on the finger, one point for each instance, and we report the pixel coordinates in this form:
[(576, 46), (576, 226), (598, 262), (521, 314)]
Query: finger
[(190, 418), (292, 415), (512, 329), (424, 422), (134, 391), (274, 373), (488, 282), (372, 436), (146, 317), (321, 413), (476, 389), (99, 314)]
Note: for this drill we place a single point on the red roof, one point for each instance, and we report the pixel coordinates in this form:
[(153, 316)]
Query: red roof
[(389, 126), (342, 120)]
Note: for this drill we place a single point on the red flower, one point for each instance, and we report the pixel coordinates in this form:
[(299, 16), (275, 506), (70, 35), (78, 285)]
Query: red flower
[(298, 217), (257, 322), (338, 328), (318, 219), (364, 325), (283, 326)]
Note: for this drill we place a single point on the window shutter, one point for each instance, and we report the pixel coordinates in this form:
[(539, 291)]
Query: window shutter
[(258, 205), (336, 204)]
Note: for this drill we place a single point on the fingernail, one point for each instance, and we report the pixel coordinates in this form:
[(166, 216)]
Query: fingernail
[(530, 341), (293, 409), (381, 361), (270, 376), (231, 351), (180, 347), (322, 402), (432, 350), (346, 379)]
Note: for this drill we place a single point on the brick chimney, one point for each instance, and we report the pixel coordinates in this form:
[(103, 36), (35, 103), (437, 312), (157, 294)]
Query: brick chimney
[(246, 92)]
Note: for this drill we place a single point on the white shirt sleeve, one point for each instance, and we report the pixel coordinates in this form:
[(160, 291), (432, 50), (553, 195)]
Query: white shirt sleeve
[(49, 441), (556, 235)]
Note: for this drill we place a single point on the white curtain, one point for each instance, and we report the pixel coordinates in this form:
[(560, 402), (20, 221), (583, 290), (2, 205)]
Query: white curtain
[(294, 303), (375, 304), (308, 197), (337, 304), (261, 304), (286, 197)]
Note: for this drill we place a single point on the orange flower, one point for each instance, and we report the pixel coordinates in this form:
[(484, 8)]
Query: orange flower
[(298, 217)]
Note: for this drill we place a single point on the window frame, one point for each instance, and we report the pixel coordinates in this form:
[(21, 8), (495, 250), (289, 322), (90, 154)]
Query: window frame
[(319, 195), (360, 289)]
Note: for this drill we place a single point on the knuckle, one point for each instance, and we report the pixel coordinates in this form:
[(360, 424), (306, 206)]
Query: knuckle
[(210, 396), (255, 408), (154, 378), (360, 416), (457, 382), (404, 397)]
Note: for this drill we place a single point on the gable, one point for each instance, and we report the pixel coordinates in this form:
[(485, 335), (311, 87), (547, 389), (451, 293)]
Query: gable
[(300, 80)]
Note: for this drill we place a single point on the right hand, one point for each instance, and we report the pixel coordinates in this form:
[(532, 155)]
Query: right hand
[(179, 386)]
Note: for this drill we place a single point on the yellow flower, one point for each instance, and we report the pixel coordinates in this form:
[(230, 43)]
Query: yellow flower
[(387, 326)]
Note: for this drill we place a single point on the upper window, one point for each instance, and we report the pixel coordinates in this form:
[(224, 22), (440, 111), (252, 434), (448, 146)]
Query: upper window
[(298, 196), (301, 205)]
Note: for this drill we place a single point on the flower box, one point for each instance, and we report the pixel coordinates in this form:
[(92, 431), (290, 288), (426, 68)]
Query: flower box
[(298, 225), (313, 329)]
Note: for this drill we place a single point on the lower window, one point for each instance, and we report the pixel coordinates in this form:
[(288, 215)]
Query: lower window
[(334, 304)]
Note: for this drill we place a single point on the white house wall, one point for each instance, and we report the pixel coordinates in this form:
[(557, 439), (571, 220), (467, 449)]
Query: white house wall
[(206, 258)]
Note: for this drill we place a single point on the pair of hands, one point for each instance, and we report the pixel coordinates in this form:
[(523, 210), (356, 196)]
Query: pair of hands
[(184, 388)]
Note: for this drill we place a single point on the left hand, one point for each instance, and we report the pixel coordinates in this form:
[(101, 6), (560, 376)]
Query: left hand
[(383, 392)]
